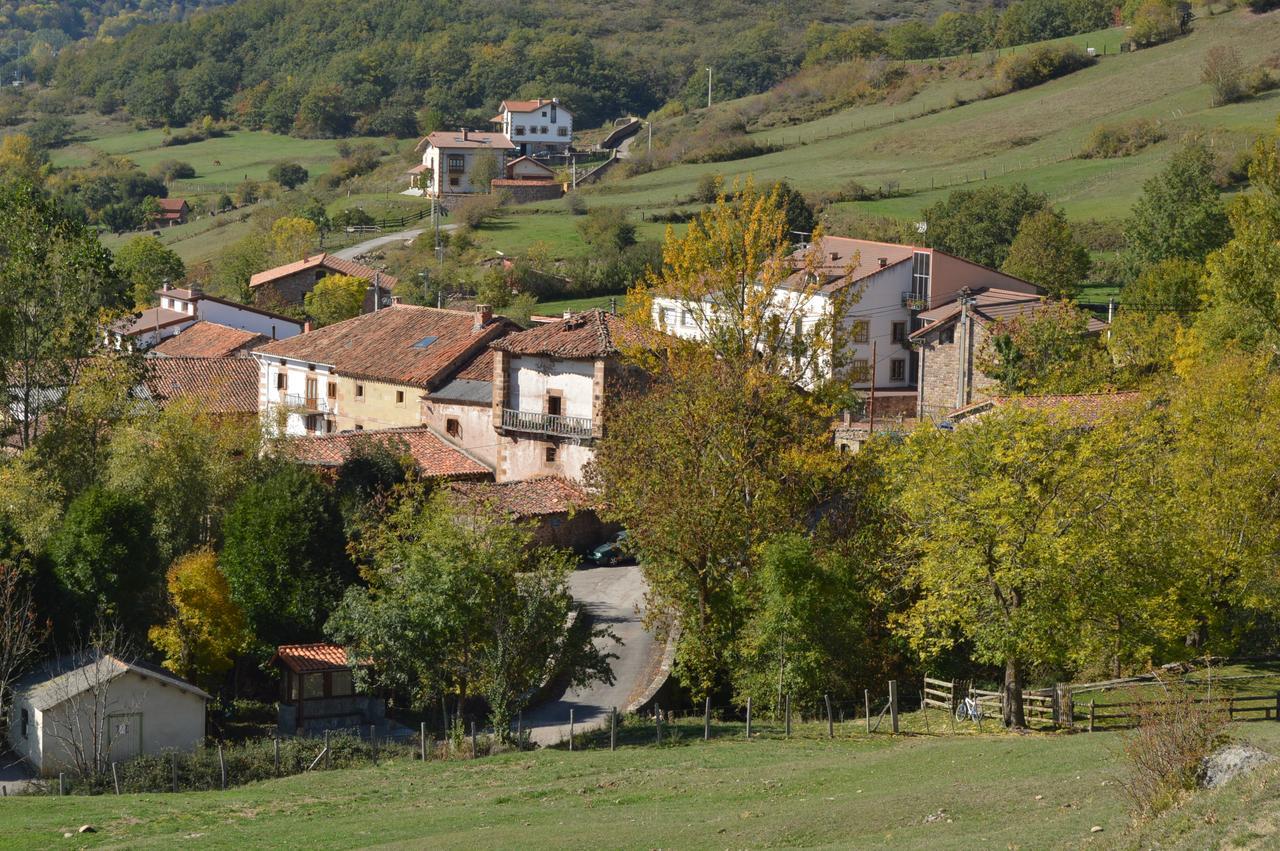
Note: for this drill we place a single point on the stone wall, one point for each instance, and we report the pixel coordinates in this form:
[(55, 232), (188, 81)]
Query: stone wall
[(945, 365), (528, 191)]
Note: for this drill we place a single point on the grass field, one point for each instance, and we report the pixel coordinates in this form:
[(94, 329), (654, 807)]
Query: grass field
[(967, 791), (556, 231), (1029, 136)]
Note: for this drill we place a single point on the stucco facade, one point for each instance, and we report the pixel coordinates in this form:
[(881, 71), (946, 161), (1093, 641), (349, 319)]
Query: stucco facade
[(545, 388)]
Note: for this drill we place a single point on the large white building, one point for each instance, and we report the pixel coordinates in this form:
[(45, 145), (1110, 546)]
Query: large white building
[(536, 127), (893, 284), (179, 309), (449, 158)]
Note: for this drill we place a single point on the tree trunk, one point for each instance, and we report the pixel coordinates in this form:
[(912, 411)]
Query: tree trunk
[(1013, 712)]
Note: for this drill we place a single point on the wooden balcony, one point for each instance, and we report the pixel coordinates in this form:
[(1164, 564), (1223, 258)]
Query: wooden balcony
[(553, 424)]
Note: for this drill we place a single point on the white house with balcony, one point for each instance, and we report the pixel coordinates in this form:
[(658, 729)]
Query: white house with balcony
[(892, 284), (537, 127), (449, 158), (550, 386)]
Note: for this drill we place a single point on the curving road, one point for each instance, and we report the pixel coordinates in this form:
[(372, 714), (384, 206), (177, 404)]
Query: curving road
[(614, 597), (379, 241)]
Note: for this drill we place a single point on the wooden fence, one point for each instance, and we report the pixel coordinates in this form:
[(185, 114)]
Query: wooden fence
[(1118, 716)]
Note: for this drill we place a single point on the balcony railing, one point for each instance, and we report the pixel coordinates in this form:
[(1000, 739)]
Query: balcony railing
[(318, 404), (913, 301), (554, 424)]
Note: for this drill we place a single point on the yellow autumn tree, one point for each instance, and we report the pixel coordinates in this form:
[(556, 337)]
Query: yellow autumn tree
[(207, 628), (335, 298), (20, 159), (293, 238)]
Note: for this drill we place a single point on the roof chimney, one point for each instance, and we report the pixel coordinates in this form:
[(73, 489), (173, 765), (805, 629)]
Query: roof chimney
[(306, 327), (884, 261), (484, 313), (835, 255), (464, 134), (568, 314)]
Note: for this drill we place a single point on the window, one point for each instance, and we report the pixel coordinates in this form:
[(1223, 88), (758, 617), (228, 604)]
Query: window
[(544, 113), (545, 130), (359, 391), (359, 427), (897, 370), (328, 426), (340, 684), (457, 162), (562, 131), (454, 180), (26, 722), (399, 397), (921, 263), (312, 686), (293, 686), (553, 113), (861, 330), (280, 380), (312, 423), (686, 318), (551, 454), (668, 316), (553, 405), (519, 129), (332, 390), (899, 332), (947, 335), (861, 370), (313, 390), (453, 428)]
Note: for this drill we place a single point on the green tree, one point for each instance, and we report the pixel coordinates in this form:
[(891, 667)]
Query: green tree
[(21, 160), (105, 560), (205, 629), (147, 264), (607, 229), (284, 555), (981, 224), (1047, 351), (910, 40), (335, 298), (56, 287), (1046, 253), (288, 175), (801, 220), (1153, 312), (461, 601), (1180, 213), (485, 169), (1223, 71), (293, 238)]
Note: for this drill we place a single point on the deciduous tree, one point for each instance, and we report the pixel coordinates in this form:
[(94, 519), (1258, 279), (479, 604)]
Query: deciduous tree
[(335, 298), (1046, 253), (206, 628), (147, 264)]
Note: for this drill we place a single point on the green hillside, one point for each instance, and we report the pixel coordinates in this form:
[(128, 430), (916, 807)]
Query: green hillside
[(1029, 136)]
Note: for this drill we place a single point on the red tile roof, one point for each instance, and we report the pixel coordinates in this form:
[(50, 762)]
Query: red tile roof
[(527, 498), (310, 658), (991, 304), (209, 340), (401, 344), (587, 335), (171, 205), (151, 319), (1087, 407), (528, 105), (219, 385), (328, 261), (435, 457), (479, 368), (469, 139)]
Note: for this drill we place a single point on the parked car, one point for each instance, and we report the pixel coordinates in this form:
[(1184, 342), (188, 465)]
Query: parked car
[(611, 552)]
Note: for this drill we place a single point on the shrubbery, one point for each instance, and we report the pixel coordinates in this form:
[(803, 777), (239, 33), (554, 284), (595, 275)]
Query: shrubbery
[(1165, 752), (1122, 140), (1040, 64)]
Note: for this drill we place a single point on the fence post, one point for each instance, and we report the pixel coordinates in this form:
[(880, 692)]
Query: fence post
[(519, 727), (422, 739), (831, 730), (706, 721), (893, 704), (175, 770), (475, 752), (1278, 706), (786, 714), (373, 742), (570, 729), (328, 754), (61, 788), (277, 751), (222, 766), (866, 705), (115, 778), (613, 729), (1091, 716), (657, 721), (748, 717)]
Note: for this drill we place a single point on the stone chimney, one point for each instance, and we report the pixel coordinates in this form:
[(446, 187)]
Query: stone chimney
[(464, 134), (884, 261), (484, 313), (306, 327)]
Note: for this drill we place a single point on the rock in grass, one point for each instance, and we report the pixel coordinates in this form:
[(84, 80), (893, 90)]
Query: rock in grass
[(1229, 762), (86, 828)]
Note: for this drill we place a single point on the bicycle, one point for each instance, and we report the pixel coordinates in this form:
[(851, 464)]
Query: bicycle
[(969, 710)]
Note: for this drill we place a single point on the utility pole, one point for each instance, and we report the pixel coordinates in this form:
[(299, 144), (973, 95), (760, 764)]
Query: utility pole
[(708, 88), (871, 404), (649, 147)]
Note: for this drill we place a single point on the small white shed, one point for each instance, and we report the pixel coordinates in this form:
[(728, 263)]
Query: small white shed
[(93, 710)]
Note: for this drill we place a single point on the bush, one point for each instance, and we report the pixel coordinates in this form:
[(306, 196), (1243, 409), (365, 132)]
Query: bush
[(171, 170), (575, 204), (1164, 754), (1155, 22), (288, 175), (1100, 234), (352, 217), (1122, 140), (708, 188), (738, 149), (476, 210), (1041, 64), (1223, 71)]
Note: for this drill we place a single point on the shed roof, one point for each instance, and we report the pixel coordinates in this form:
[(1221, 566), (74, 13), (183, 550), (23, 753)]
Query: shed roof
[(435, 457), (587, 335), (219, 385), (311, 658), (65, 677), (332, 262), (990, 304), (536, 497)]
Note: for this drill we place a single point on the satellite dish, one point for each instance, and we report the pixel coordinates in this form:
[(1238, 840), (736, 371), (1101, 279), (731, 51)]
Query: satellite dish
[(921, 227)]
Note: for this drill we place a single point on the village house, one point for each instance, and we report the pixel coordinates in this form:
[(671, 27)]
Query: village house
[(370, 372), (318, 693), (560, 511), (550, 386), (90, 710), (951, 341), (288, 285), (538, 127), (526, 180), (173, 211), (180, 309), (449, 158), (209, 340), (432, 456), (461, 409), (884, 287)]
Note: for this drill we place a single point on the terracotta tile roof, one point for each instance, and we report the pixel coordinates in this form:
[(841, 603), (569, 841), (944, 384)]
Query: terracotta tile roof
[(1087, 407), (590, 334), (469, 139), (527, 498), (991, 304), (838, 252), (479, 368), (527, 105), (401, 344), (209, 340), (171, 205), (151, 319), (309, 658), (221, 385), (332, 262), (529, 161), (434, 456)]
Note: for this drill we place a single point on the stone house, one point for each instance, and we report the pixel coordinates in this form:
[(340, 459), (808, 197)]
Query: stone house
[(561, 512), (288, 285), (949, 343)]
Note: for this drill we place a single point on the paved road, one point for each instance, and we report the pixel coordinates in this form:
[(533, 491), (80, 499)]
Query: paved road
[(614, 597), (379, 241)]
